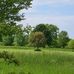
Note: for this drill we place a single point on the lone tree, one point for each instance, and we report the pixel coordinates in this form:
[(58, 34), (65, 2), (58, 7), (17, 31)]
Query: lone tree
[(38, 40), (9, 9)]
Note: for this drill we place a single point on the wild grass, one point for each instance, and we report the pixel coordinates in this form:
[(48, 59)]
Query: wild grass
[(47, 61)]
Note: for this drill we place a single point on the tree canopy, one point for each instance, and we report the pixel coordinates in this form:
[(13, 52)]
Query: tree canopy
[(9, 9), (50, 31), (63, 39), (38, 39)]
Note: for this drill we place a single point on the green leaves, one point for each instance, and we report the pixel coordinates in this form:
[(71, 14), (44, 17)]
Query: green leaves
[(9, 9), (50, 31), (38, 39), (63, 39)]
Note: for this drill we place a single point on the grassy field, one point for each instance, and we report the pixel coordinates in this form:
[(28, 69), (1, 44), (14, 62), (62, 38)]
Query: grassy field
[(47, 61)]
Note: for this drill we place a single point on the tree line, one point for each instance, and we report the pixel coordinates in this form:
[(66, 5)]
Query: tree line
[(16, 35), (41, 35)]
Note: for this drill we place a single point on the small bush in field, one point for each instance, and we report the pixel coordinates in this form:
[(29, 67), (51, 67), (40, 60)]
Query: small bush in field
[(37, 49), (6, 56), (10, 58), (14, 60)]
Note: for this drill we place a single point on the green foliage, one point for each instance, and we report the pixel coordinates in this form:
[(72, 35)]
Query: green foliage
[(20, 38), (42, 28), (71, 44), (9, 9), (7, 29), (50, 32), (53, 29), (44, 62), (0, 37), (8, 40), (27, 29), (48, 61), (38, 39), (63, 39), (21, 34), (9, 58)]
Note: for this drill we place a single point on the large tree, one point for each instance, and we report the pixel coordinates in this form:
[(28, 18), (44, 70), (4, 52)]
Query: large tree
[(9, 15), (38, 40), (43, 28), (63, 39), (54, 30), (50, 31), (9, 9), (7, 32)]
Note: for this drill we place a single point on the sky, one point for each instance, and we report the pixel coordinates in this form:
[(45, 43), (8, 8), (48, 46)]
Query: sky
[(57, 12)]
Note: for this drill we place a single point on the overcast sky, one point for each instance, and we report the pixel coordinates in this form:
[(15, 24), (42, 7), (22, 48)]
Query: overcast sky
[(58, 12)]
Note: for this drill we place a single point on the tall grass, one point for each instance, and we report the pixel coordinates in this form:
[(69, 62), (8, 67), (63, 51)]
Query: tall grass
[(43, 62)]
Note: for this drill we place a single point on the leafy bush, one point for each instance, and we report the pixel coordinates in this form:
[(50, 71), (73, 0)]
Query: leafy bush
[(38, 50), (9, 58), (71, 44)]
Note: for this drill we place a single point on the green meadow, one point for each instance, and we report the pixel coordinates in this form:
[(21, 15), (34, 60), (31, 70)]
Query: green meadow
[(47, 61)]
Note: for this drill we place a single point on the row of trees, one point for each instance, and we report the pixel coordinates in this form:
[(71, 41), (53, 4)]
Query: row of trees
[(10, 33), (14, 35), (40, 36), (50, 36)]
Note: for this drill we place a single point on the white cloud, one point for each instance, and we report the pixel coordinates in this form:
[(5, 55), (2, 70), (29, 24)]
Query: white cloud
[(63, 22), (59, 20), (43, 2)]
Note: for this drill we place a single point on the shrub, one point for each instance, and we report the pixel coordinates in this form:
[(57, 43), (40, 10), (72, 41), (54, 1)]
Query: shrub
[(37, 49), (9, 58), (13, 60), (71, 44)]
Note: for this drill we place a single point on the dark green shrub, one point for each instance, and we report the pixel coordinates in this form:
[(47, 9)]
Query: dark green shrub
[(14, 60), (37, 49), (9, 58)]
